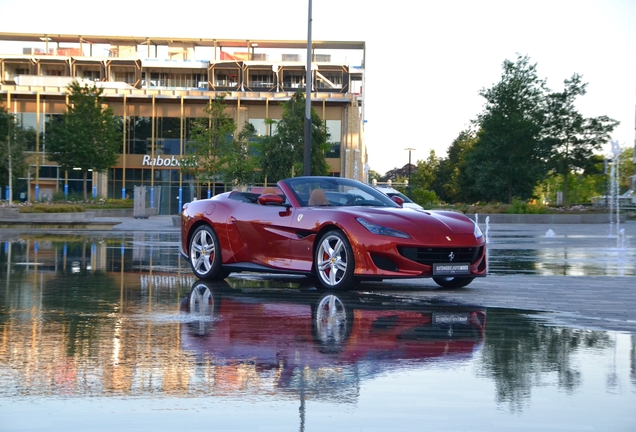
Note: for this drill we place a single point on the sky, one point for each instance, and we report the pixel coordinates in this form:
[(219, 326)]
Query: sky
[(426, 61)]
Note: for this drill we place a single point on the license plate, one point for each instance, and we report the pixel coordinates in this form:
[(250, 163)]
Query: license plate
[(448, 269), (450, 318)]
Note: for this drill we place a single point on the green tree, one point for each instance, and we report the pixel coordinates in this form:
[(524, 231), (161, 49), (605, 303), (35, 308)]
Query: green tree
[(240, 164), (452, 183), (571, 137), (626, 168), (282, 153), (425, 172), (277, 159), (211, 143), (13, 163), (87, 137), (374, 175), (509, 157), (423, 177)]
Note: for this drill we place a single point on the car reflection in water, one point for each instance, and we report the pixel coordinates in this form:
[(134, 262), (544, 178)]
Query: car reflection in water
[(325, 335)]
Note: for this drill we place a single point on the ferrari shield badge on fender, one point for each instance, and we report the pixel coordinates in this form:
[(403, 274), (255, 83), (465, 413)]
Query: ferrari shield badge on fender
[(299, 218)]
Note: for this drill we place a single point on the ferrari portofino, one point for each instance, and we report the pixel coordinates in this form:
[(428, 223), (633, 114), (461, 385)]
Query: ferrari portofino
[(338, 230)]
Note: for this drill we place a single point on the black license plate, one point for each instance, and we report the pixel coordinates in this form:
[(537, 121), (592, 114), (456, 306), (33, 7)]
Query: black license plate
[(451, 269)]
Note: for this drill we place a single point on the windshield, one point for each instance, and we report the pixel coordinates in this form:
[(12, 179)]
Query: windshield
[(336, 191)]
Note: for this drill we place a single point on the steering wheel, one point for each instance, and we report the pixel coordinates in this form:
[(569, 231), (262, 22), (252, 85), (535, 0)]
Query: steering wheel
[(353, 198)]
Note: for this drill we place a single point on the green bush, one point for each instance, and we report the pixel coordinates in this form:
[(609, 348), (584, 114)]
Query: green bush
[(52, 208), (92, 203), (111, 203), (523, 207), (425, 198)]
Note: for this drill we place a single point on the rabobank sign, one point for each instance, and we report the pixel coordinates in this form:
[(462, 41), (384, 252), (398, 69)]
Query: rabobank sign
[(159, 161)]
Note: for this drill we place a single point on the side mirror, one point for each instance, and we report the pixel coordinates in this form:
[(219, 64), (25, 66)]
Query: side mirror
[(399, 201), (270, 199)]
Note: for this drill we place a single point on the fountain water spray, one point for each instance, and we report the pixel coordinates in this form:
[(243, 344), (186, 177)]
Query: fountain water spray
[(487, 229), (621, 239), (614, 207)]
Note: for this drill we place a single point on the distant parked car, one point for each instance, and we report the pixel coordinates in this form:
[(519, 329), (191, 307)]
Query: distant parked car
[(408, 203)]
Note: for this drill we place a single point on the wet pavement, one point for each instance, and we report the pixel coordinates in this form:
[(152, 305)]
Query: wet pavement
[(110, 330)]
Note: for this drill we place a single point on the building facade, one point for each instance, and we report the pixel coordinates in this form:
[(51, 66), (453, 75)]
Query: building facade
[(158, 85)]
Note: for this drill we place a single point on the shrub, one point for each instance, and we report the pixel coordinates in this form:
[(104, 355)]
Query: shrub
[(52, 208), (523, 207), (111, 203), (59, 197), (423, 197)]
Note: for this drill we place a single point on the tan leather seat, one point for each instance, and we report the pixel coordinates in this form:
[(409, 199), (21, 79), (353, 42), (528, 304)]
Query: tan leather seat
[(318, 198)]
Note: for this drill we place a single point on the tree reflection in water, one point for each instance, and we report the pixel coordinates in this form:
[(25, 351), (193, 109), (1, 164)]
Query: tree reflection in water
[(521, 352)]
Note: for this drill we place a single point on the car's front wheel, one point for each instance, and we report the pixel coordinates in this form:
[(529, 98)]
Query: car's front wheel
[(452, 282), (333, 261), (205, 254)]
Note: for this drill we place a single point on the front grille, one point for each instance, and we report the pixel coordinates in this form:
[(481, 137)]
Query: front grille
[(428, 256)]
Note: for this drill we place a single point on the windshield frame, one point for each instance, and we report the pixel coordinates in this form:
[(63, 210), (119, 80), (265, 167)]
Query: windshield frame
[(301, 188)]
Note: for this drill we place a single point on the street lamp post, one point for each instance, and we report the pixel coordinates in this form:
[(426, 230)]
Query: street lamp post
[(409, 149)]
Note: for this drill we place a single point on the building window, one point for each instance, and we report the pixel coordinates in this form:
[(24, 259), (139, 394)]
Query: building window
[(261, 79), (294, 79), (329, 79), (261, 127), (226, 77), (92, 75), (127, 77), (334, 130)]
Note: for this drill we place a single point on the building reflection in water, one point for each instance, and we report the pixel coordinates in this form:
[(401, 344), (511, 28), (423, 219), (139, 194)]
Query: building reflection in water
[(123, 315)]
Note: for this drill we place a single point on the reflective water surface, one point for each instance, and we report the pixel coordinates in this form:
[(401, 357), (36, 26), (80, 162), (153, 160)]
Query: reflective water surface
[(113, 332)]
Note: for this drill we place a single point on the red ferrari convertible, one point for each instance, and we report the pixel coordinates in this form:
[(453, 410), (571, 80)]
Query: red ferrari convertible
[(338, 230)]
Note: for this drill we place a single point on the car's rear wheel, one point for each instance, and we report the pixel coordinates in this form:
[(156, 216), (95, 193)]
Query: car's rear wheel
[(452, 282), (203, 305), (333, 261), (205, 254)]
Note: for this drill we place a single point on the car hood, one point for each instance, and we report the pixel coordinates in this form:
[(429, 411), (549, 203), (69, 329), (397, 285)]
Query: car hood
[(429, 226)]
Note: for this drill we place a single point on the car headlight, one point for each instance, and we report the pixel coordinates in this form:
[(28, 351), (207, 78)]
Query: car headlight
[(382, 230), (477, 232)]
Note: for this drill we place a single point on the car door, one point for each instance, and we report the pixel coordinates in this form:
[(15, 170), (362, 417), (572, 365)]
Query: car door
[(260, 234)]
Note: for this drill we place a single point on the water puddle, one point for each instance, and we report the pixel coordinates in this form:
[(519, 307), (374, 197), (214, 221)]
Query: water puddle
[(115, 332)]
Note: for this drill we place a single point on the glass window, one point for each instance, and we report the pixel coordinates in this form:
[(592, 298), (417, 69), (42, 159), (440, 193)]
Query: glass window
[(168, 131), (261, 127), (334, 131), (139, 135), (226, 77), (293, 79), (329, 79), (260, 78)]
